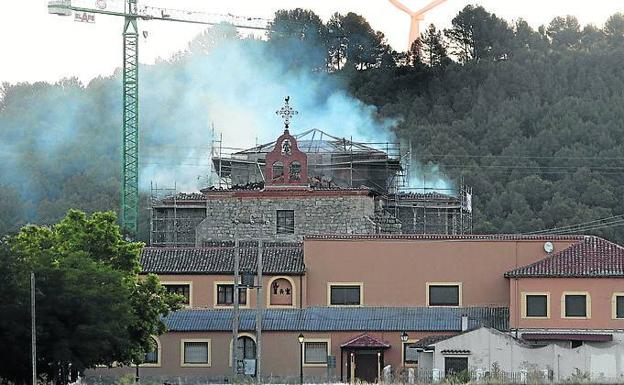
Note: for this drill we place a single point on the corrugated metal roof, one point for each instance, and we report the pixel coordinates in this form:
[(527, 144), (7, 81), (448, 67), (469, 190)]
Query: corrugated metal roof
[(343, 319), (277, 259), (592, 257)]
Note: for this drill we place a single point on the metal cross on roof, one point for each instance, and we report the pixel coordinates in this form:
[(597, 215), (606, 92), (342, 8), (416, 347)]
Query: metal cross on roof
[(286, 112)]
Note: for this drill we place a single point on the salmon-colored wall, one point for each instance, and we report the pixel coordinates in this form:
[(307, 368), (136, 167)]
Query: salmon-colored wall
[(395, 272), (600, 290), (280, 351), (203, 289)]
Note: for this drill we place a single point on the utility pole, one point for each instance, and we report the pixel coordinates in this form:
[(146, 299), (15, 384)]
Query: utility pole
[(33, 329), (259, 308), (235, 319)]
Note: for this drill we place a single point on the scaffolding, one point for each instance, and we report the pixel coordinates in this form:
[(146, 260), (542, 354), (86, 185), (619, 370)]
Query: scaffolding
[(433, 212), (332, 162), (174, 216)]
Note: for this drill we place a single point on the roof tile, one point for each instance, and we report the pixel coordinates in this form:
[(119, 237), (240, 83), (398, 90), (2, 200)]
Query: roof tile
[(591, 257), (279, 258)]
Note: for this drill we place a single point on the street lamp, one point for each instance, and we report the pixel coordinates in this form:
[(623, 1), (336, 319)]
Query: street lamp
[(404, 337), (301, 339)]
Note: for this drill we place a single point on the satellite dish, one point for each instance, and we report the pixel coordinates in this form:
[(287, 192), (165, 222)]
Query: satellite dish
[(549, 247)]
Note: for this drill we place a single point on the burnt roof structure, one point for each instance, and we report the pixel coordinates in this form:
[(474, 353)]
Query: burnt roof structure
[(332, 161)]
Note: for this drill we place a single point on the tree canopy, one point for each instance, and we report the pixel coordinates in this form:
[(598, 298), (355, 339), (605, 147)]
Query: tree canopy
[(92, 306)]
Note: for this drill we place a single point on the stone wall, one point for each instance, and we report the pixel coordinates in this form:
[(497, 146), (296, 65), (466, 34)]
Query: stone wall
[(313, 215)]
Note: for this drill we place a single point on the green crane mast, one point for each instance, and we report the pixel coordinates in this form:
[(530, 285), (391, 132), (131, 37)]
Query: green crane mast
[(130, 119), (130, 130)]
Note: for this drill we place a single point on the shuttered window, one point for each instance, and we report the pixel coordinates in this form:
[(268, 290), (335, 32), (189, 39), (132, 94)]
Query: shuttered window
[(315, 352), (410, 354), (575, 305), (196, 352), (345, 295), (537, 305), (443, 295), (619, 306)]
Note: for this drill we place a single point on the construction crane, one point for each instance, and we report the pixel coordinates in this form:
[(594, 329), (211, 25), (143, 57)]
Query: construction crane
[(84, 10), (416, 17)]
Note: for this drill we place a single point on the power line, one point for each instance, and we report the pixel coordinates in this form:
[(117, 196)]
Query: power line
[(617, 220)]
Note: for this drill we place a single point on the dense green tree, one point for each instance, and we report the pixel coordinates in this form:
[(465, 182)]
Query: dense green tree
[(614, 29), (433, 48), (477, 34), (564, 32), (93, 308), (305, 30), (356, 43)]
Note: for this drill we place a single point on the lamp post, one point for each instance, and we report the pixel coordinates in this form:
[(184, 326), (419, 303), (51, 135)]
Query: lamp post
[(404, 339), (301, 339)]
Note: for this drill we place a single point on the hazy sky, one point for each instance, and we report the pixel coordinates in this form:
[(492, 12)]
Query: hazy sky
[(37, 46)]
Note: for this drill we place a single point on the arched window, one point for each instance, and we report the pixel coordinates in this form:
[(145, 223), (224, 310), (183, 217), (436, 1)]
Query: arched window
[(277, 171), (246, 348), (294, 172), (281, 292), (153, 356)]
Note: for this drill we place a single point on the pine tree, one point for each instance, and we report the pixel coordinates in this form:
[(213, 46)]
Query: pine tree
[(433, 48)]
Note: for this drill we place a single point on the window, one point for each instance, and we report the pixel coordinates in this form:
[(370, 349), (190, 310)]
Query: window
[(575, 305), (536, 305), (285, 221), (246, 348), (152, 358), (181, 289), (410, 354), (345, 295), (455, 365), (195, 353), (444, 294), (618, 305), (315, 353), (225, 295)]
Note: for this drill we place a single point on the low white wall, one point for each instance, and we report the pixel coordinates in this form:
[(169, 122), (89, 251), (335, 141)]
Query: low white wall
[(603, 361)]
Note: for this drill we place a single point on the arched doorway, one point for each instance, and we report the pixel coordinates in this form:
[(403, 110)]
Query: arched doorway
[(246, 355)]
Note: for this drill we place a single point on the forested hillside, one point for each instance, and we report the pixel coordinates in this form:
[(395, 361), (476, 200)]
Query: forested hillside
[(531, 119)]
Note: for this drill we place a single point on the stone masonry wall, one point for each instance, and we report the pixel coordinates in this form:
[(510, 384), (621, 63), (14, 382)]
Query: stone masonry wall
[(313, 215)]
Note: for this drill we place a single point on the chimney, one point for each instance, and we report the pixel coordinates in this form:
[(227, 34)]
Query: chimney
[(464, 323)]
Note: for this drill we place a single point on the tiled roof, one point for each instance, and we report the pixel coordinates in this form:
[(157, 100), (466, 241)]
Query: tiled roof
[(365, 341), (455, 351), (325, 319), (590, 257), (283, 259), (472, 237)]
